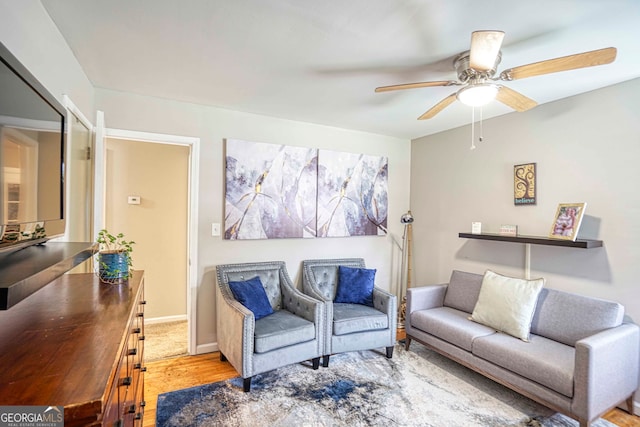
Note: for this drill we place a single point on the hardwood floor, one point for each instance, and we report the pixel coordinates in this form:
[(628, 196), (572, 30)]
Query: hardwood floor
[(188, 371)]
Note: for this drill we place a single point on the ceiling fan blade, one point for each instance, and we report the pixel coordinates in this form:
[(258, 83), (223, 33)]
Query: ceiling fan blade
[(485, 46), (565, 63), (515, 100), (416, 85), (438, 107)]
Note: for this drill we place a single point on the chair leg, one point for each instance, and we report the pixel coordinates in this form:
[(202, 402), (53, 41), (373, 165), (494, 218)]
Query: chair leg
[(407, 342), (389, 352), (246, 384), (325, 361), (223, 358), (316, 363)]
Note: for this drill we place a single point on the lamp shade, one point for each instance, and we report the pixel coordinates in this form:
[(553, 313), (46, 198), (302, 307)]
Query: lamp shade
[(477, 95), (406, 218)]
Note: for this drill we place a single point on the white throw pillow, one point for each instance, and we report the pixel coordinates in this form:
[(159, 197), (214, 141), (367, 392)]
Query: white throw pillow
[(507, 304)]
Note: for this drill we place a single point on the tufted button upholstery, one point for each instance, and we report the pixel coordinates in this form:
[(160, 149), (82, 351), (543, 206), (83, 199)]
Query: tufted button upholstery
[(292, 334), (350, 327)]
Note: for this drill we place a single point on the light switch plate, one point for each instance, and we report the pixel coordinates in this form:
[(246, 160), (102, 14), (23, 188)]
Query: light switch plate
[(215, 229), (133, 200)]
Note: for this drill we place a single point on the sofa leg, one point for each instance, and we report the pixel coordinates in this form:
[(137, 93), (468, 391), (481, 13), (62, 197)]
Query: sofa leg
[(630, 403), (325, 361), (223, 358), (316, 362), (407, 342), (389, 352), (246, 384)]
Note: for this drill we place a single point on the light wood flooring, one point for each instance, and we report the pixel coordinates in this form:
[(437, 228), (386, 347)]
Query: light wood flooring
[(189, 371)]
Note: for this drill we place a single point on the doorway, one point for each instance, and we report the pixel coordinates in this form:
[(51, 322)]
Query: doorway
[(149, 196)]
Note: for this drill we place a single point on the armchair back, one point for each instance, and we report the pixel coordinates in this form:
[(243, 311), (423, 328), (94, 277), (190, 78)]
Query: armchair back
[(270, 274), (323, 275)]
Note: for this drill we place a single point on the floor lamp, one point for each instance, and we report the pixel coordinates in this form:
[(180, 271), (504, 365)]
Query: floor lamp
[(406, 270)]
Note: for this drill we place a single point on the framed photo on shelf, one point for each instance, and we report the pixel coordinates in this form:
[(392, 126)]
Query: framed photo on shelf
[(567, 221)]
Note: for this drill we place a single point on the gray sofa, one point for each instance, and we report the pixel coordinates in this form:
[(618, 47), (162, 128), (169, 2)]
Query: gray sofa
[(581, 359)]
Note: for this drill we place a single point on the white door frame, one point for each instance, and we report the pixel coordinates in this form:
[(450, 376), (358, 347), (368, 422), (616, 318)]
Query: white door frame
[(192, 215)]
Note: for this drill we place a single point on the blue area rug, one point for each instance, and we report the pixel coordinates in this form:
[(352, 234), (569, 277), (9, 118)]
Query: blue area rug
[(415, 388)]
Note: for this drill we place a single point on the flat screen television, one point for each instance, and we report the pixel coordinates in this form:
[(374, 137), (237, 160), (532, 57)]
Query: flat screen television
[(32, 143)]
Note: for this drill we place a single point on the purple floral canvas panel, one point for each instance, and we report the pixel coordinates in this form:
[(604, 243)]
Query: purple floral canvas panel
[(270, 191), (352, 194)]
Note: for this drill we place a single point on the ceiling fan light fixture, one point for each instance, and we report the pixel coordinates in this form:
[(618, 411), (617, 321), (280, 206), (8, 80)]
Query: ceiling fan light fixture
[(478, 95)]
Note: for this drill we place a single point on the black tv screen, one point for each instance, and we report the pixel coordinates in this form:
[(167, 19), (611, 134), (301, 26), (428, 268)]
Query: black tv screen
[(32, 135)]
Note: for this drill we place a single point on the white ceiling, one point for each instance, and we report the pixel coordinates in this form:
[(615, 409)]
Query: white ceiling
[(319, 61)]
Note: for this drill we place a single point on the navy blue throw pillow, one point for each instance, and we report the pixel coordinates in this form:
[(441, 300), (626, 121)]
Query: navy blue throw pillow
[(355, 285), (252, 295)]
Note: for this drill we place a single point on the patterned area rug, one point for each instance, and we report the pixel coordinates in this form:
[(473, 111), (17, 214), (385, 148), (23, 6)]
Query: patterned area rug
[(415, 388)]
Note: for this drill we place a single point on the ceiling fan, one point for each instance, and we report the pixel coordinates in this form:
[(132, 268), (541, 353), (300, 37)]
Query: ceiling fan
[(477, 67)]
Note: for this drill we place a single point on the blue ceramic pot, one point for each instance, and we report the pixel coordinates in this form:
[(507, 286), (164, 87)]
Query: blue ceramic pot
[(113, 266)]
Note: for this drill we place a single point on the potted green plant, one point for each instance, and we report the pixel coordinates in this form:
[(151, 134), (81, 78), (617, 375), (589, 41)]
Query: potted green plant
[(114, 257)]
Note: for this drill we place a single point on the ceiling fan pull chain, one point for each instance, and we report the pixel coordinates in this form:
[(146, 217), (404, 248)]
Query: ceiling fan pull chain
[(481, 131), (473, 125)]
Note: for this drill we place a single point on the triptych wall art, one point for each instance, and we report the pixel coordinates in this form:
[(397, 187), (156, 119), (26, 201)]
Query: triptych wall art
[(278, 191)]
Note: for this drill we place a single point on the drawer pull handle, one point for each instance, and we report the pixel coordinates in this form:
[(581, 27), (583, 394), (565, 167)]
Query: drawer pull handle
[(137, 330), (132, 408), (144, 369), (138, 416), (132, 351), (143, 302), (140, 314), (143, 404), (141, 338), (126, 381)]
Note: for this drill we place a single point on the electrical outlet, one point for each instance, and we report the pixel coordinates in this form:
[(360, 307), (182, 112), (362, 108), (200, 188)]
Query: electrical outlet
[(215, 229)]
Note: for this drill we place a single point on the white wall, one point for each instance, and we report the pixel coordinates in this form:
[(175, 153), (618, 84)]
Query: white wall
[(587, 149), (29, 33), (212, 126)]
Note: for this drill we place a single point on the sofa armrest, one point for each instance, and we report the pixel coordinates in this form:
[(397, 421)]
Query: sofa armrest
[(425, 297), (606, 370), (233, 320)]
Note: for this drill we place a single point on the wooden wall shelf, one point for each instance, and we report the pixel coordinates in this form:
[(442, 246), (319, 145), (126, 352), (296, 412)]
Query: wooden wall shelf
[(535, 240)]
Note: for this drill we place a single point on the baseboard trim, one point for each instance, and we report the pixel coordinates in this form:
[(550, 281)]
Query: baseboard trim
[(165, 319), (207, 348), (636, 408)]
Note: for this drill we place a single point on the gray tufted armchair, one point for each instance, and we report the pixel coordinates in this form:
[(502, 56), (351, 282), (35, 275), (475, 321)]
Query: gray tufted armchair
[(292, 334), (350, 327)]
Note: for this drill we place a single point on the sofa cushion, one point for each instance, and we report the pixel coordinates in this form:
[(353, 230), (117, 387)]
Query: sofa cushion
[(507, 304), (355, 285), (281, 329), (542, 360), (462, 291), (568, 318), (450, 325), (350, 318), (252, 295)]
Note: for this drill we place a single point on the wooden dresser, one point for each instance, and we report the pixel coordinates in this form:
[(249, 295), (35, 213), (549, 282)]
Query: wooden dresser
[(77, 343)]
